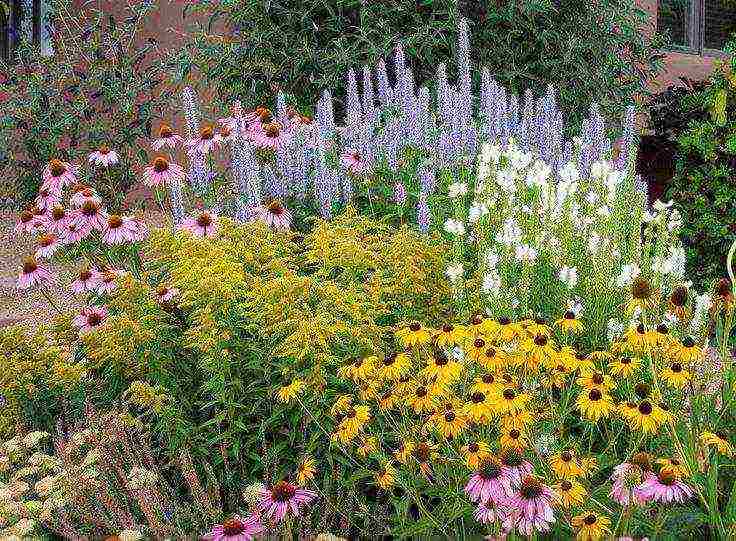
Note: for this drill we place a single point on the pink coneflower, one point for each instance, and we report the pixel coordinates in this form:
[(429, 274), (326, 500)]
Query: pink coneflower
[(269, 136), (532, 507), (104, 157), (33, 274), (226, 134), (28, 222), (88, 279), (515, 467), (165, 294), (207, 141), (665, 488), (58, 174), (354, 162), (75, 231), (90, 318), (57, 220), (627, 479), (84, 195), (202, 225), (282, 498), (239, 119), (488, 483), (161, 172), (48, 243), (236, 529), (47, 198), (119, 230), (92, 215), (107, 282), (487, 513), (166, 138), (275, 215)]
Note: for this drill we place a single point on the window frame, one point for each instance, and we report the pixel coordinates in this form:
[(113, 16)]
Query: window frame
[(695, 32)]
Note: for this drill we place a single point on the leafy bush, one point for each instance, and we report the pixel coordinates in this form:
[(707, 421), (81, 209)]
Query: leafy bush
[(705, 165), (595, 51), (101, 88)]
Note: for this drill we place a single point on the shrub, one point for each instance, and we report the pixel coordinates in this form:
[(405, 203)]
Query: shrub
[(705, 164), (102, 88), (595, 51)]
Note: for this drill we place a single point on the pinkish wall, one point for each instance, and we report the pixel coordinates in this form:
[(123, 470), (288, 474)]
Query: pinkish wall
[(676, 65)]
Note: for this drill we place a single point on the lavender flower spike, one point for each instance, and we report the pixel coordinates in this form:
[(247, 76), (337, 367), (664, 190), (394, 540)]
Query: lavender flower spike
[(191, 111)]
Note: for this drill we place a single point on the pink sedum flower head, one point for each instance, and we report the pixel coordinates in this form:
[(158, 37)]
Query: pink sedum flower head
[(207, 141), (236, 529), (202, 225), (84, 195), (665, 488), (58, 174), (282, 499), (269, 136), (120, 230), (166, 139), (489, 483), (48, 243), (531, 507), (353, 162), (87, 280), (90, 318), (161, 172), (33, 274), (275, 215), (91, 214), (104, 157)]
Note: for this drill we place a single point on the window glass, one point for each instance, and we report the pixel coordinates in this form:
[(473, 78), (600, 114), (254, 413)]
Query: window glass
[(673, 18), (719, 22)]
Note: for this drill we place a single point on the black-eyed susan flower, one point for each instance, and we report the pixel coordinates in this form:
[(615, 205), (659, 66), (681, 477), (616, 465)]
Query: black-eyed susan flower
[(421, 399), (591, 527), (660, 336), (517, 420), (289, 392), (624, 366), (513, 438), (414, 335), (474, 452), (478, 407), (406, 448), (449, 422), (677, 303), (565, 465), (341, 405), (386, 476), (353, 421), (424, 454), (686, 351), (537, 326), (387, 401), (486, 384), (539, 350), (493, 359), (393, 366), (570, 493), (449, 335), (506, 330), (636, 337), (595, 380), (675, 375), (359, 369), (570, 323), (475, 349), (594, 404), (368, 445), (475, 323), (306, 470), (442, 368), (643, 295), (557, 376), (648, 417), (720, 443), (509, 400)]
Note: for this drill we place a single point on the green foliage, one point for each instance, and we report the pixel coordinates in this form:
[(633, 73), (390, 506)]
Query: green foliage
[(705, 165), (590, 51), (100, 88)]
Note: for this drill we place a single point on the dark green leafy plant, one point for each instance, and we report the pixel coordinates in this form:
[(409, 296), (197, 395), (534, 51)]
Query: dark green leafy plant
[(590, 51), (102, 87)]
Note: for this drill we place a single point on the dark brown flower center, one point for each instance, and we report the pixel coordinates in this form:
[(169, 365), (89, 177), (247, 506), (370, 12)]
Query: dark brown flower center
[(94, 319), (422, 452), (645, 408), (511, 458), (283, 491), (566, 456), (566, 485), (447, 328), (233, 527), (30, 265), (271, 129), (204, 220), (114, 221), (514, 434), (473, 447), (642, 460), (595, 395), (540, 340), (274, 207), (46, 240), (590, 519), (569, 315), (530, 488), (491, 353), (662, 328), (440, 359), (676, 368), (504, 321), (642, 390), (58, 213), (597, 378), (90, 208), (160, 164), (723, 287), (679, 297), (449, 416), (625, 360), (641, 289), (26, 216), (104, 150), (389, 359), (488, 379), (415, 327), (421, 392), (540, 321), (667, 477), (85, 275), (479, 343), (640, 328), (509, 394), (207, 133), (165, 131), (688, 342), (489, 469), (477, 397), (57, 168)]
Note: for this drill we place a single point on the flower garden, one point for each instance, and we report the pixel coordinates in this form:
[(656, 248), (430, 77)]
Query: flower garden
[(435, 317)]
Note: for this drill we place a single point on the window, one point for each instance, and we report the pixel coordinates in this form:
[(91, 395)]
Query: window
[(25, 20), (699, 26)]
